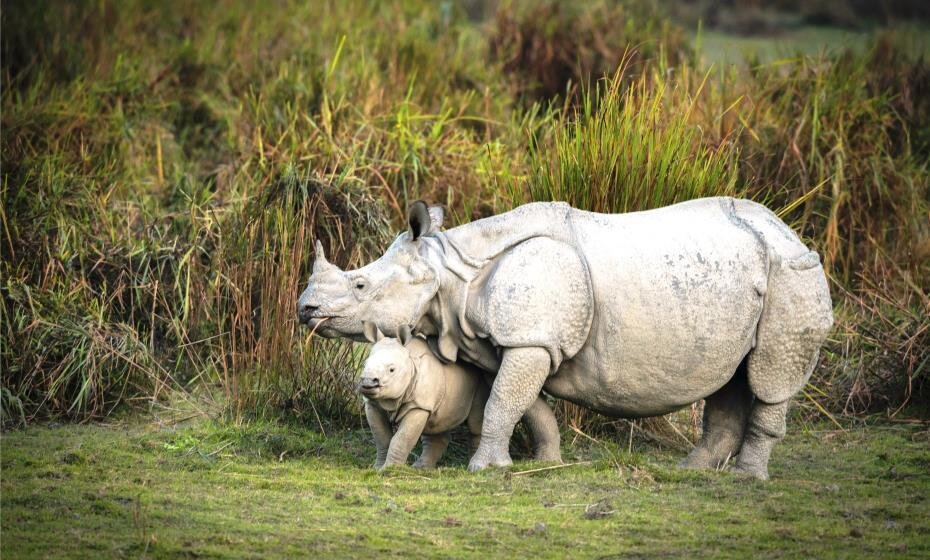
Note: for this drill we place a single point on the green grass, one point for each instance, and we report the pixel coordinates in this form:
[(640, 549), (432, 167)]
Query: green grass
[(150, 489), (726, 48)]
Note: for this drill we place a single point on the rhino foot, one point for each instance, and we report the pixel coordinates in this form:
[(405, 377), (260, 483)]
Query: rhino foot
[(549, 455), (483, 459), (698, 461), (751, 471)]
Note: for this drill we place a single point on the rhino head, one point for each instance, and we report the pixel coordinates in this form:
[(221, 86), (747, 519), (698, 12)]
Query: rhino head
[(391, 292)]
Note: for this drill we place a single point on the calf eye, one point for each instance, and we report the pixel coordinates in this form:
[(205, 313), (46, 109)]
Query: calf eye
[(392, 370), (359, 285)]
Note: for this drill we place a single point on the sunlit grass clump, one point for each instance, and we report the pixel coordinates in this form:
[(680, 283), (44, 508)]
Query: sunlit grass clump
[(629, 148)]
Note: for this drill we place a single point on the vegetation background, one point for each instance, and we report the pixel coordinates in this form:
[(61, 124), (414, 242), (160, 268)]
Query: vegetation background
[(165, 168)]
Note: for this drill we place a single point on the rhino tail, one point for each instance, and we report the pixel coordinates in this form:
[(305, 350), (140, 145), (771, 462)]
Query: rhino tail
[(806, 261)]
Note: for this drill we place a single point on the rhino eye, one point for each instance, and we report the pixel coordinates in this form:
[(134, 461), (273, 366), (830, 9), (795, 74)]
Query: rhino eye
[(391, 370), (359, 285)]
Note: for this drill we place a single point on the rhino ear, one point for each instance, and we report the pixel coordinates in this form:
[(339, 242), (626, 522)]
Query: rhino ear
[(419, 219), (372, 332), (436, 216), (405, 334)]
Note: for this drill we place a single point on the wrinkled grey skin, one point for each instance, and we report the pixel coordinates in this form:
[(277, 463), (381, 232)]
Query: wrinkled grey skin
[(405, 385), (331, 306), (630, 315)]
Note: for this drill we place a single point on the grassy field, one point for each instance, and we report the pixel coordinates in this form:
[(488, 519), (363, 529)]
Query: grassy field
[(144, 489)]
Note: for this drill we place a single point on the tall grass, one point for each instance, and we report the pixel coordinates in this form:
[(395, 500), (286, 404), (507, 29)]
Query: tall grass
[(553, 48), (167, 167), (629, 148)]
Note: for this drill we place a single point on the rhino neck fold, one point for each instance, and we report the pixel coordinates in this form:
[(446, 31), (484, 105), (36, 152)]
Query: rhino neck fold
[(478, 242), (458, 257), (445, 317)]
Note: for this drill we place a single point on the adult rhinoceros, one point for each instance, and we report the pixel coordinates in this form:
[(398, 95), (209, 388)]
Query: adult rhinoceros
[(630, 315)]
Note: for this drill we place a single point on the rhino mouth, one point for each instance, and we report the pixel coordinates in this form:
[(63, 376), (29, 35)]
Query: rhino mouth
[(317, 323), (315, 320), (370, 393)]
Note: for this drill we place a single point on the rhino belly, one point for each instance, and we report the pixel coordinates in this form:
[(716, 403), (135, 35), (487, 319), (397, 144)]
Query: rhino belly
[(678, 295)]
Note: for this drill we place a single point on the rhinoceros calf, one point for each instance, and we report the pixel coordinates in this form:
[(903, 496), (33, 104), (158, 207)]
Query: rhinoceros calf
[(406, 386), (631, 315)]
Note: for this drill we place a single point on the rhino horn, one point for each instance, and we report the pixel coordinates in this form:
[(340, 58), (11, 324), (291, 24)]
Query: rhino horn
[(320, 262)]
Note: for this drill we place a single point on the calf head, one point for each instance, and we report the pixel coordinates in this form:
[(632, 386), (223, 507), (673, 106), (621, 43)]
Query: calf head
[(389, 368)]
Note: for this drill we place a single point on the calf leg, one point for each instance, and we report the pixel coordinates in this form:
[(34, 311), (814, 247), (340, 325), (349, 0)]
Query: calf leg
[(518, 383), (381, 431), (434, 446), (725, 415), (409, 430)]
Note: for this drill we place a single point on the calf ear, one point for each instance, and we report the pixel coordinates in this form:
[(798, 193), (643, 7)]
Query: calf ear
[(405, 334), (372, 332), (418, 219)]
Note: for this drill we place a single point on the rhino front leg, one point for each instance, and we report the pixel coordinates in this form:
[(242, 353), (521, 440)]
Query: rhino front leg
[(539, 420), (517, 385), (434, 446)]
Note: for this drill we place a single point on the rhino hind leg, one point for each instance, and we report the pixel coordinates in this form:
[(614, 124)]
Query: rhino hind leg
[(766, 426), (796, 317), (544, 428), (725, 416)]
